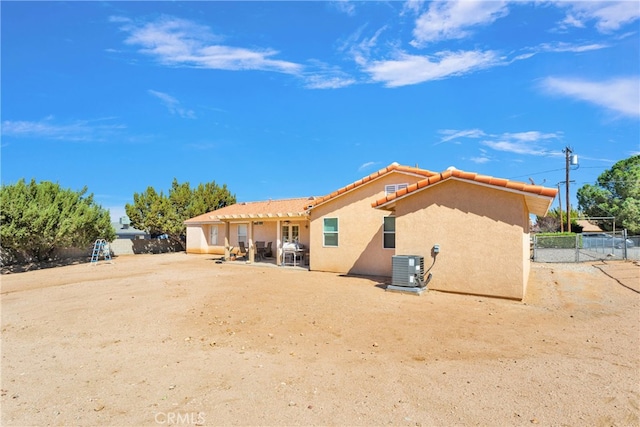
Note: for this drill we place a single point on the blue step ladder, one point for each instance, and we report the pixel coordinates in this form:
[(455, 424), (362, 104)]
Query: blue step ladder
[(100, 247)]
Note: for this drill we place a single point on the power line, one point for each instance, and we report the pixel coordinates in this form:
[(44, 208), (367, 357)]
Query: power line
[(536, 173), (553, 170)]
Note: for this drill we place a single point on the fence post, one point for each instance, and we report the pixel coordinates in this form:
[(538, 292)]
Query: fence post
[(624, 240), (577, 246), (535, 246)]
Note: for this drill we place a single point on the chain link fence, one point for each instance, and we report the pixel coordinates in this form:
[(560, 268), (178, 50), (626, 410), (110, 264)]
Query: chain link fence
[(585, 247)]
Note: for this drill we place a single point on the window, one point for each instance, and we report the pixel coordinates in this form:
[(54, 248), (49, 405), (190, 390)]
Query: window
[(392, 188), (330, 231), (242, 233), (213, 235), (290, 233), (389, 232)]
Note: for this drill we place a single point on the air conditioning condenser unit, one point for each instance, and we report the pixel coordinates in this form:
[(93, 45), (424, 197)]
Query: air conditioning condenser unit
[(408, 271)]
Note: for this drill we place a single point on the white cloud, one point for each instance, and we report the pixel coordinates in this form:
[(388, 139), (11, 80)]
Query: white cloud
[(530, 136), (529, 142), (452, 19), (412, 69), (517, 147), (480, 160), (609, 16), (559, 47), (367, 166), (412, 6), (361, 50), (179, 42), (344, 6), (173, 105), (620, 95), (326, 76), (569, 47), (78, 131), (319, 81), (451, 134)]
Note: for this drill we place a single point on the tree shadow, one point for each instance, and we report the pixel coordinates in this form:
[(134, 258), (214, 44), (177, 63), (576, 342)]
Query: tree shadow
[(32, 266)]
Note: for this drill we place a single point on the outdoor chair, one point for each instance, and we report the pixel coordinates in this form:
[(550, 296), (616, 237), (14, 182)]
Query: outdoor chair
[(242, 251), (267, 250), (260, 250)]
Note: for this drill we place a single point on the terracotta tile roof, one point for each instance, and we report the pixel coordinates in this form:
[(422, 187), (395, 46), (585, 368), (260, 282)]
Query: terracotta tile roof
[(533, 190), (393, 167), (285, 208)]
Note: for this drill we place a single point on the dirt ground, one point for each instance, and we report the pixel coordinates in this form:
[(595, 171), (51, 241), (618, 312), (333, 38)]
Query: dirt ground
[(178, 339)]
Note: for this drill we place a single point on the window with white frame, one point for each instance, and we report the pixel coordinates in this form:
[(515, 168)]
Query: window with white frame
[(213, 235), (392, 188), (330, 231), (389, 232), (242, 233), (290, 233)]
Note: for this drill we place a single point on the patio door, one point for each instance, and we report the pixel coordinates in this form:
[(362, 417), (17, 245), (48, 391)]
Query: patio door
[(290, 233)]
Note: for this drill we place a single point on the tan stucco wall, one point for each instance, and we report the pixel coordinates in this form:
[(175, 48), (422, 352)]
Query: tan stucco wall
[(482, 233), (198, 240), (359, 248)]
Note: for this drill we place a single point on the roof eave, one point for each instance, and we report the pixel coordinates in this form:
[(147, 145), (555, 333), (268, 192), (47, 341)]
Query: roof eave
[(537, 204)]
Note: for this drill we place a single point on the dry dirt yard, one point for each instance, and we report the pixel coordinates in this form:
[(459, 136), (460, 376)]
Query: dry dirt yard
[(177, 339)]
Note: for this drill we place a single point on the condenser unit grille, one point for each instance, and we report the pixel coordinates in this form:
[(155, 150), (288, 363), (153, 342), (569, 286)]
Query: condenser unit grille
[(407, 271)]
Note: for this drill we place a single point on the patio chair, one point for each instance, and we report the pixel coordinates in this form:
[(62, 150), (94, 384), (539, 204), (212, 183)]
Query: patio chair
[(267, 250), (260, 250), (242, 251)]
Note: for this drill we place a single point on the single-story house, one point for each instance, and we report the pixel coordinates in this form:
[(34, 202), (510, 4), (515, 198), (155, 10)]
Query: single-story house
[(588, 226), (126, 237), (480, 224)]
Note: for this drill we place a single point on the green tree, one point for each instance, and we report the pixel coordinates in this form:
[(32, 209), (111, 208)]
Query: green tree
[(159, 214), (551, 222), (617, 194), (148, 211), (38, 218)]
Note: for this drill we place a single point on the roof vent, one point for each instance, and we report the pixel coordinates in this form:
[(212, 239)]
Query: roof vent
[(395, 164), (311, 198), (452, 168)]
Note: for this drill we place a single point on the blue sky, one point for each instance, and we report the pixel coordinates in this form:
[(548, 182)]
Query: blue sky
[(292, 99)]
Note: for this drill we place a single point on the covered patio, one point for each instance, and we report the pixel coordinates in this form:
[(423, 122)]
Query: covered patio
[(253, 226)]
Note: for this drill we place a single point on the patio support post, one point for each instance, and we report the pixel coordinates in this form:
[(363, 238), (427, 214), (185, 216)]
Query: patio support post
[(251, 248), (227, 252), (279, 243)]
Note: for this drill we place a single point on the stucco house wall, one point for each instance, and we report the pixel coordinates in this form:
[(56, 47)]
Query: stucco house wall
[(198, 236), (360, 242), (483, 234)]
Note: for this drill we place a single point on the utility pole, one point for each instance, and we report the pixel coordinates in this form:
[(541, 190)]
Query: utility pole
[(567, 150)]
